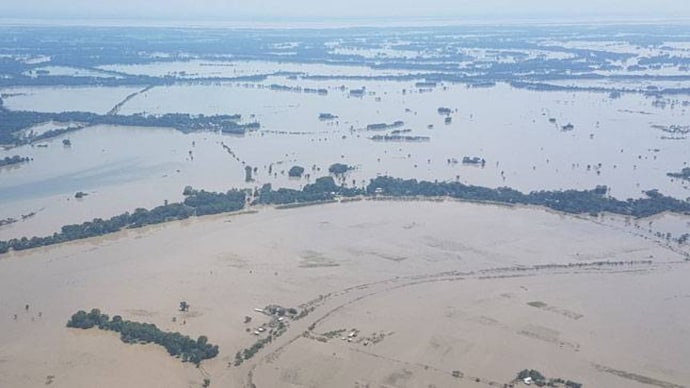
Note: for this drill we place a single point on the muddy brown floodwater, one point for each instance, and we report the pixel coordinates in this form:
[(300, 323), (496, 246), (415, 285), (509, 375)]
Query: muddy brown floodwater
[(428, 287)]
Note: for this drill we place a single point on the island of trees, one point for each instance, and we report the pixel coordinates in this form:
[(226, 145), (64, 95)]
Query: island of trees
[(569, 201), (475, 160), (10, 160), (197, 202), (248, 174), (358, 92), (425, 85), (296, 171), (324, 189), (339, 168), (384, 126), (177, 345), (683, 174), (298, 89), (399, 138), (13, 121), (534, 376), (327, 116)]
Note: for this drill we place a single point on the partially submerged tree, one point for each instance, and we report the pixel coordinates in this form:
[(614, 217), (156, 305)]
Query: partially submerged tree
[(296, 171)]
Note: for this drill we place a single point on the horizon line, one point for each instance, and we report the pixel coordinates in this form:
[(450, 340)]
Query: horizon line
[(337, 23)]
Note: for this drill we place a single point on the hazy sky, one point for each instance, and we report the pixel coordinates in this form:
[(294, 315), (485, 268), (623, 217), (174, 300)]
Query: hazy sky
[(339, 9)]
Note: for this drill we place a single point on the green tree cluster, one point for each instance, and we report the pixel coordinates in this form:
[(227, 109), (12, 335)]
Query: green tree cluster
[(570, 201), (249, 352), (296, 171), (13, 121), (204, 202), (10, 160), (593, 201), (683, 174), (323, 189), (176, 344), (195, 203), (338, 168), (540, 380)]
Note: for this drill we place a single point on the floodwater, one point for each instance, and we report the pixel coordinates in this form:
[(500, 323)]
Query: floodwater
[(612, 143), (200, 68), (373, 266), (65, 99)]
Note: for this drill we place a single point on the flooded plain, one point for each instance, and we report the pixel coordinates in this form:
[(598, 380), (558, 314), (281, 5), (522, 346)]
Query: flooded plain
[(530, 140), (389, 293), (429, 287)]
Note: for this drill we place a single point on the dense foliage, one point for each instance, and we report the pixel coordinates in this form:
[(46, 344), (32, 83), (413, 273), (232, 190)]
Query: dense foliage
[(296, 171), (176, 344), (683, 174), (248, 174), (327, 116), (569, 201), (10, 160), (325, 189), (399, 138), (13, 121), (204, 202), (383, 126), (196, 203), (541, 380), (338, 168)]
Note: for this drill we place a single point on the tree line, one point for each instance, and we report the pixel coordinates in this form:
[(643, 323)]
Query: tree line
[(13, 121), (541, 380), (683, 174), (200, 202), (10, 160), (177, 345), (323, 189), (196, 203), (569, 201)]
